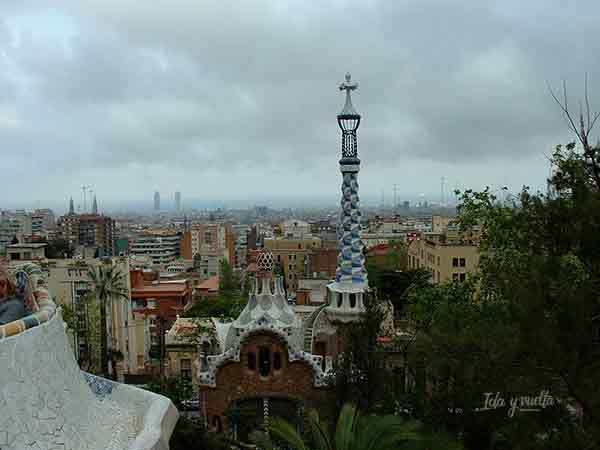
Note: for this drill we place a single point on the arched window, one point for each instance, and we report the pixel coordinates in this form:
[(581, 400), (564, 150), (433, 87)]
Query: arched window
[(217, 424), (251, 361), (277, 361), (264, 361), (352, 300)]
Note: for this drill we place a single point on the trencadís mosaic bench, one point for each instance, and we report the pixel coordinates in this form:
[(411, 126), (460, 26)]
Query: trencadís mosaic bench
[(48, 403)]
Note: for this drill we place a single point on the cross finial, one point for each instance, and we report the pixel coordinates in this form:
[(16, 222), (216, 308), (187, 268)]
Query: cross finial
[(348, 85)]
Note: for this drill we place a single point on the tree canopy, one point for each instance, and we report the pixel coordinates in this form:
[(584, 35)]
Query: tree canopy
[(526, 323), (229, 302)]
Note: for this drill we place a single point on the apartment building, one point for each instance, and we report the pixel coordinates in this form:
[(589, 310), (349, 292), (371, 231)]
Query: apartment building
[(207, 245), (291, 255), (156, 303), (88, 231), (162, 246), (447, 260)]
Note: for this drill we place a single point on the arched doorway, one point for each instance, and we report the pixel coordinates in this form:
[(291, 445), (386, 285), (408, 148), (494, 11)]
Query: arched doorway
[(248, 415)]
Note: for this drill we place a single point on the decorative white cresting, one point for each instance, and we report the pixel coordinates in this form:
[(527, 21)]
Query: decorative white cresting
[(268, 311)]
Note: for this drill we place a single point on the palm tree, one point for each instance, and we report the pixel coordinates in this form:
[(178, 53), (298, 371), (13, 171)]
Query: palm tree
[(107, 283), (353, 432)]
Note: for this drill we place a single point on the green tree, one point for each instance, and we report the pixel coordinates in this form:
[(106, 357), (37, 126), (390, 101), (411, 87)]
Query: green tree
[(108, 283), (229, 282), (528, 320), (58, 249), (219, 307), (354, 431), (189, 432), (178, 390), (358, 374), (229, 302)]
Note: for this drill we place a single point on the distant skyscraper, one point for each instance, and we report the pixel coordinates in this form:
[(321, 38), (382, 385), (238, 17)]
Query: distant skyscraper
[(178, 201), (95, 206), (156, 201), (71, 207)]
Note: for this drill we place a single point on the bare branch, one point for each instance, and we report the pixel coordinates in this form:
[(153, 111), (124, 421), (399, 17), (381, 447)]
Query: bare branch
[(587, 103), (564, 107), (583, 130), (590, 126), (581, 124)]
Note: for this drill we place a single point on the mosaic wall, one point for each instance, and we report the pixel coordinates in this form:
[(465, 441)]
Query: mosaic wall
[(53, 405)]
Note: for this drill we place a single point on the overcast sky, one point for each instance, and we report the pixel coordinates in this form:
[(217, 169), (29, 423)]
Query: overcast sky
[(225, 99)]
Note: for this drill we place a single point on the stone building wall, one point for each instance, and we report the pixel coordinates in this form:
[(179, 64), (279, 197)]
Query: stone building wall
[(235, 381)]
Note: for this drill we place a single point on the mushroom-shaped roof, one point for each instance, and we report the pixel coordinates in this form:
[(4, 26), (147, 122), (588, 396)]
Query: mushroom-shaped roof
[(267, 302)]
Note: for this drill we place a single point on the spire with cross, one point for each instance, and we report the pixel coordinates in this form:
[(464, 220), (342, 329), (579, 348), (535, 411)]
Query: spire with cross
[(346, 293), (348, 120), (348, 86)]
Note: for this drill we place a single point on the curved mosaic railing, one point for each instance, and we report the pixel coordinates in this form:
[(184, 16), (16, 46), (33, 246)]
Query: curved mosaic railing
[(46, 310), (47, 402)]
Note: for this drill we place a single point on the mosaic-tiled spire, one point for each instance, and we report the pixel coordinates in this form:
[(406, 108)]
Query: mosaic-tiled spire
[(351, 261)]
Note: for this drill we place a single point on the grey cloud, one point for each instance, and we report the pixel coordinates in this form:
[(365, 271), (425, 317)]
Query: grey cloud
[(225, 87)]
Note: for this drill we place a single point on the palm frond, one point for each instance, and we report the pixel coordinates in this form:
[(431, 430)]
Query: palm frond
[(345, 427), (387, 432), (284, 431), (262, 440), (320, 434)]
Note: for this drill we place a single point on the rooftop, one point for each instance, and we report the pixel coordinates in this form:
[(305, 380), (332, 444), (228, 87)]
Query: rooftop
[(161, 288), (212, 284), (32, 245)]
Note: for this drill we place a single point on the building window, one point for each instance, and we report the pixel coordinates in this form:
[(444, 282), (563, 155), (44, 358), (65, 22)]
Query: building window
[(139, 304), (454, 262), (352, 300), (463, 262), (463, 276), (454, 276), (186, 369), (264, 361), (277, 361), (438, 261), (439, 279), (251, 361)]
